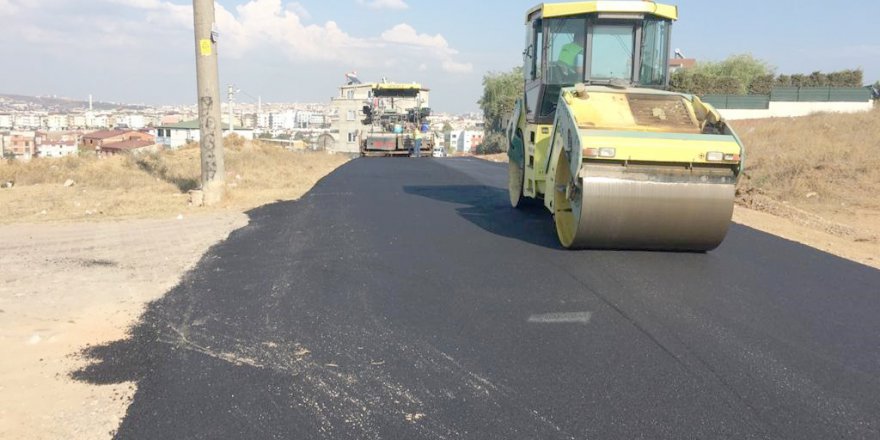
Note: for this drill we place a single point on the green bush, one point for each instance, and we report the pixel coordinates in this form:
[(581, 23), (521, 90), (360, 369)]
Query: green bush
[(746, 75), (762, 85), (783, 81), (494, 142)]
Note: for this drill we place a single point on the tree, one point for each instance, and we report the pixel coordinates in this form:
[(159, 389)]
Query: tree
[(494, 142), (500, 92), (735, 75)]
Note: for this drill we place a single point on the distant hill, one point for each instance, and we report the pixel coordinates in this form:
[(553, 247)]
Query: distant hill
[(59, 104)]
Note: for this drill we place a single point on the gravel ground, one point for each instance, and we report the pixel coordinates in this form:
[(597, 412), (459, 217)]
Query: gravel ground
[(64, 287)]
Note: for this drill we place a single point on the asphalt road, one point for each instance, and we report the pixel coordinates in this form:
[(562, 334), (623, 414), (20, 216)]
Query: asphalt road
[(405, 299)]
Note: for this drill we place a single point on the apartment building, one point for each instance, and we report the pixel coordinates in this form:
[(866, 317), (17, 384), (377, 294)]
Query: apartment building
[(19, 144)]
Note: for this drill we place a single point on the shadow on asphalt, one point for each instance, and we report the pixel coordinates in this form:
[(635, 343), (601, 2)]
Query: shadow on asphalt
[(489, 208)]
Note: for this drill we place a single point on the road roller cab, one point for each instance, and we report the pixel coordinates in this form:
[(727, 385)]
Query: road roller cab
[(618, 160)]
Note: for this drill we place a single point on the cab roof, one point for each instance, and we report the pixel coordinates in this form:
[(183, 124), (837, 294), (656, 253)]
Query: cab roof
[(549, 10)]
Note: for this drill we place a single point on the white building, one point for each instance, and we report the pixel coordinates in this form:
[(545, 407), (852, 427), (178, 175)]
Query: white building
[(7, 121), (57, 122), (285, 120), (465, 141), (76, 120), (303, 118), (56, 148), (452, 139), (28, 121), (97, 120), (133, 121), (174, 136), (264, 120)]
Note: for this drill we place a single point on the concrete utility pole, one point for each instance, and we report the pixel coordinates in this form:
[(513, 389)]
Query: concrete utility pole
[(213, 172)]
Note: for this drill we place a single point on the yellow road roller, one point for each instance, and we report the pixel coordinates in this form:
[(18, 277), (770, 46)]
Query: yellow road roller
[(619, 161)]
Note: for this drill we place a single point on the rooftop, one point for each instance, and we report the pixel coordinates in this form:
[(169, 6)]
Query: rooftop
[(105, 134), (127, 145)]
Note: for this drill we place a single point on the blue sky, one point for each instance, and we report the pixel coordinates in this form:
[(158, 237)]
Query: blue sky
[(141, 51)]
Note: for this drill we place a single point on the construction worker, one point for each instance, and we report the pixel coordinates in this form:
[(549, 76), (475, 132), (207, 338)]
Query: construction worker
[(571, 55), (417, 140)]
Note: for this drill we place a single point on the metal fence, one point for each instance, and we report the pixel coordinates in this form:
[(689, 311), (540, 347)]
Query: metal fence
[(751, 102), (820, 94), (789, 94)]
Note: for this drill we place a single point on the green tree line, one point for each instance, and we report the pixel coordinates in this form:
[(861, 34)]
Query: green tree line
[(744, 74)]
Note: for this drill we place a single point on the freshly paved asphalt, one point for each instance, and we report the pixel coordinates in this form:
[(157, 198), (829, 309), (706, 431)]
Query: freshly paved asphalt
[(405, 299)]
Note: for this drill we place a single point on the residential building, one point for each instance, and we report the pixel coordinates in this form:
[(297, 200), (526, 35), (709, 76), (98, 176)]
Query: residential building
[(57, 143), (57, 122), (76, 120), (465, 141), (57, 148), (95, 120), (264, 120), (7, 121), (28, 121), (348, 125), (285, 120), (174, 136), (19, 144), (130, 120), (676, 64), (249, 120), (452, 139), (97, 139)]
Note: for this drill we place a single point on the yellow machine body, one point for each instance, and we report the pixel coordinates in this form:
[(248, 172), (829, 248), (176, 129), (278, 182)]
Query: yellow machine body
[(620, 165)]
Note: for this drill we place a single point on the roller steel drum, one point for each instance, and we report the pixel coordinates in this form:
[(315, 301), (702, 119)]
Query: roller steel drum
[(650, 208)]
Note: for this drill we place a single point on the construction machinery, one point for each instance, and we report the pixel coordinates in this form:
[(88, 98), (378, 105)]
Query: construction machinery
[(620, 162), (395, 117)]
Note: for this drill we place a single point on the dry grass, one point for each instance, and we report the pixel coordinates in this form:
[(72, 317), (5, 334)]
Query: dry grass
[(821, 171), (827, 162), (154, 185)]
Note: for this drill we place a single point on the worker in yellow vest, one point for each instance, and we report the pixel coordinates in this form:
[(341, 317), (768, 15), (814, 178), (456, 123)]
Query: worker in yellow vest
[(417, 141)]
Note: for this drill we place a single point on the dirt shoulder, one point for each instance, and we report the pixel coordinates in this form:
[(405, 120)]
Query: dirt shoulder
[(864, 252), (88, 189), (82, 284), (79, 263)]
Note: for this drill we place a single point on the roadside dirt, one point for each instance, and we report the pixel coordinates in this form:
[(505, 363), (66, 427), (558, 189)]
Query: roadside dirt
[(79, 272), (152, 185), (64, 287)]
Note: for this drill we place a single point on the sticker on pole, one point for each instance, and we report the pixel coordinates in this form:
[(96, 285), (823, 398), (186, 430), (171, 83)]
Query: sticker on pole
[(205, 47)]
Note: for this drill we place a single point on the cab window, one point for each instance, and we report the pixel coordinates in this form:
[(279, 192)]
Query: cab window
[(566, 40), (612, 52)]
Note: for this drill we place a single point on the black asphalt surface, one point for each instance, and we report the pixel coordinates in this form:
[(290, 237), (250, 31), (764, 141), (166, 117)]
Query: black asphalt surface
[(405, 299)]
